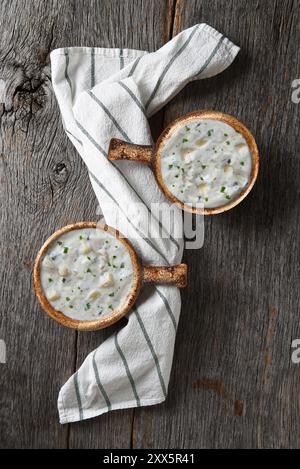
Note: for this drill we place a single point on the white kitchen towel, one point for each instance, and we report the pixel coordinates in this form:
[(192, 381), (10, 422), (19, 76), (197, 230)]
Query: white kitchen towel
[(105, 93)]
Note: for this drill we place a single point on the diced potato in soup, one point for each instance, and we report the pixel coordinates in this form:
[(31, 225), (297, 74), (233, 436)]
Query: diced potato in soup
[(86, 273), (206, 162)]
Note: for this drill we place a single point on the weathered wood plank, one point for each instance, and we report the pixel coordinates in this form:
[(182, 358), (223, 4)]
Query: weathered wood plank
[(35, 198), (239, 387), (44, 185)]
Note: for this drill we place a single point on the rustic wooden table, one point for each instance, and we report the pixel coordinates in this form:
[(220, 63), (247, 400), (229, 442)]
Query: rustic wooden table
[(233, 383)]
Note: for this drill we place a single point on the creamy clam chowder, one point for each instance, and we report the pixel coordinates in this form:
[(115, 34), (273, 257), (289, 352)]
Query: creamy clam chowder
[(206, 161), (86, 274)]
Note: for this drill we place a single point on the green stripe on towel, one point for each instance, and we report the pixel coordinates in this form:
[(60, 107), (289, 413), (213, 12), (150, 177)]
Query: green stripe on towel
[(129, 375)]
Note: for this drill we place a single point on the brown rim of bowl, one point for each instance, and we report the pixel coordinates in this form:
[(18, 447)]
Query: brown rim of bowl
[(88, 325), (214, 115)]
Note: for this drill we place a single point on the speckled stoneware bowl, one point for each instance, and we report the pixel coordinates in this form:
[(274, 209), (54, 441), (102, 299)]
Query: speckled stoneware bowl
[(120, 150), (175, 275)]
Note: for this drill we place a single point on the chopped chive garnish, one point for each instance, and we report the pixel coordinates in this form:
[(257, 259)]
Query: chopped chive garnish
[(114, 257), (242, 163), (66, 249), (88, 270), (87, 306), (203, 166), (71, 306), (227, 197), (106, 242), (81, 237), (225, 135), (206, 199), (187, 128), (210, 132), (228, 143), (122, 265), (88, 257), (170, 166), (67, 298), (177, 175), (228, 161), (111, 294), (222, 189), (59, 242), (110, 306), (50, 279), (184, 140), (108, 263), (201, 178), (63, 280)]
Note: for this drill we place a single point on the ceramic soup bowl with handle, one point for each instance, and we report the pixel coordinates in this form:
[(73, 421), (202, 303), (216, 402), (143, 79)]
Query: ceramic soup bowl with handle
[(88, 276), (208, 155)]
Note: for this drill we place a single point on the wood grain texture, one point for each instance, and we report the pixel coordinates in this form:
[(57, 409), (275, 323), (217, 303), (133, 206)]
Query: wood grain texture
[(44, 185), (240, 388)]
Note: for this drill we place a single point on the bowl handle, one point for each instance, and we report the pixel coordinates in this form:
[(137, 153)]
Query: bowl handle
[(121, 150), (175, 275)]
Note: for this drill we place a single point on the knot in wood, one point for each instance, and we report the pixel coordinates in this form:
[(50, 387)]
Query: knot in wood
[(60, 168)]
